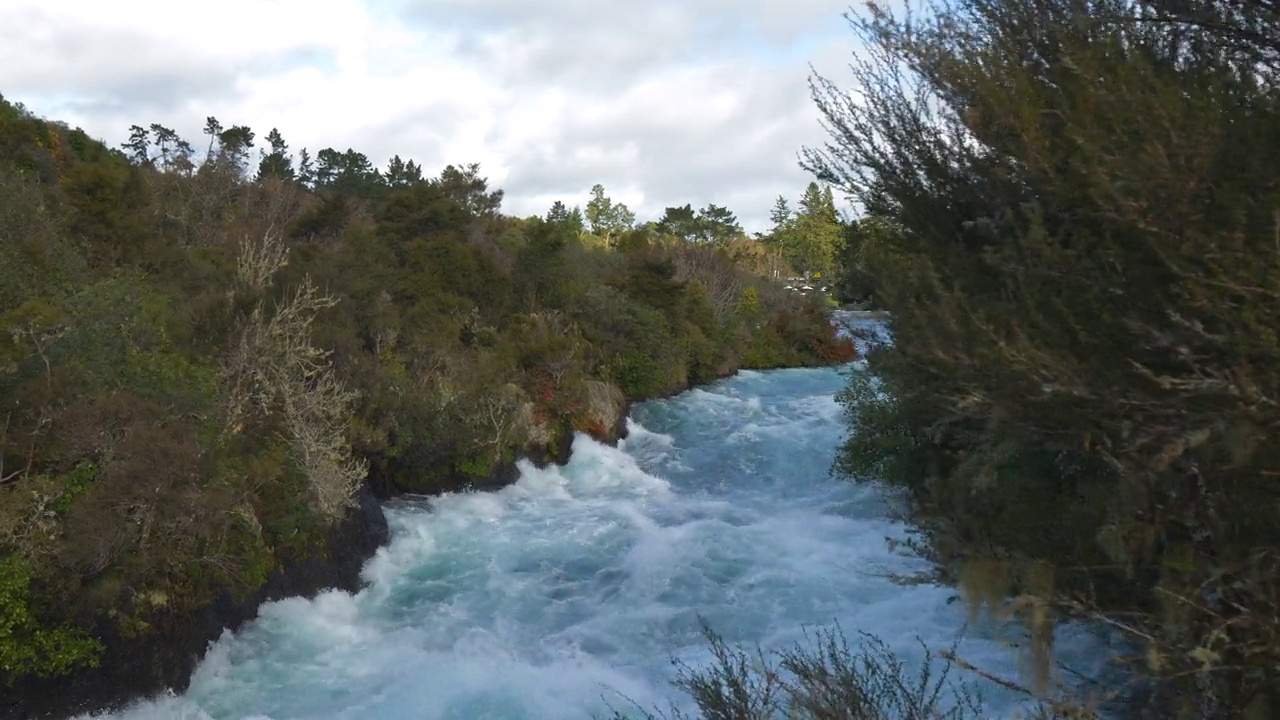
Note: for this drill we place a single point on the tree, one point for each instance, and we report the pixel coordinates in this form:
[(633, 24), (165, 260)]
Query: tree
[(718, 224), (402, 174), (557, 213), (681, 222), (853, 283), (306, 171), (781, 238), (138, 145), (213, 129), (175, 153), (809, 240), (274, 369), (712, 224), (781, 212), (228, 145), (277, 163), (817, 233), (235, 142), (541, 269), (606, 218), (348, 173), (469, 190), (561, 215), (328, 167)]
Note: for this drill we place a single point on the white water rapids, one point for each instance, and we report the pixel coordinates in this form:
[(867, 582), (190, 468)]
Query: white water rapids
[(570, 592)]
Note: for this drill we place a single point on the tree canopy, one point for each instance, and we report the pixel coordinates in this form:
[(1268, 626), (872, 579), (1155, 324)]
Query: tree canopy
[(811, 238), (605, 217), (713, 224)]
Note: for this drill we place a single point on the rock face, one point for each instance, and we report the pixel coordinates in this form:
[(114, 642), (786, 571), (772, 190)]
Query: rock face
[(551, 443), (606, 415), (165, 659)]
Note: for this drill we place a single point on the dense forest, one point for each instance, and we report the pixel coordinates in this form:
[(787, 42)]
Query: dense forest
[(207, 353), (1071, 210)]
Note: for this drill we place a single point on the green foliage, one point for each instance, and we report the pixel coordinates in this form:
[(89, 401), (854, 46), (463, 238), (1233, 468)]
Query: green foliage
[(107, 206), (347, 173), (402, 174), (474, 466), (543, 277), (854, 284), (74, 484), (277, 163), (712, 224), (605, 217), (34, 259), (652, 281), (571, 221), (1075, 237), (641, 375), (749, 307), (27, 645), (811, 239), (798, 334)]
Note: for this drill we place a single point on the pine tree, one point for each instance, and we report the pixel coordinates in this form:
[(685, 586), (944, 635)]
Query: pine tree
[(277, 163)]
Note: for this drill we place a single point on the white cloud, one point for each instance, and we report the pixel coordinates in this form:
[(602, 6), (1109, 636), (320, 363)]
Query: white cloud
[(665, 102)]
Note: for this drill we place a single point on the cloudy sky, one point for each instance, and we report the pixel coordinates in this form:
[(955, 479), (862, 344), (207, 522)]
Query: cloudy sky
[(664, 102)]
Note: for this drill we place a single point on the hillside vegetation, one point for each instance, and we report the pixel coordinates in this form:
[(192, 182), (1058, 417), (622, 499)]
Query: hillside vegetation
[(206, 353)]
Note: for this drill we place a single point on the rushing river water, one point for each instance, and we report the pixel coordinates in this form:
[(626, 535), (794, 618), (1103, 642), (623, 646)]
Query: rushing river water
[(570, 592)]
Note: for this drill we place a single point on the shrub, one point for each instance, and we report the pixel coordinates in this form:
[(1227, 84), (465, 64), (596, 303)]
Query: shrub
[(27, 645), (1075, 236)]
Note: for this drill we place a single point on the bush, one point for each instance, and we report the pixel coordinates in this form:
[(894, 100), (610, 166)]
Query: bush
[(1075, 236), (28, 646)]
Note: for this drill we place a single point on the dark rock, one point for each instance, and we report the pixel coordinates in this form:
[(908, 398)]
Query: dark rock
[(133, 668), (620, 429)]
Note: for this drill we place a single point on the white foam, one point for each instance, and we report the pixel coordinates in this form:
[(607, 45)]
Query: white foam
[(557, 596)]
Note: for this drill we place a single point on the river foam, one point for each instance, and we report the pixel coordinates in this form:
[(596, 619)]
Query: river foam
[(569, 592)]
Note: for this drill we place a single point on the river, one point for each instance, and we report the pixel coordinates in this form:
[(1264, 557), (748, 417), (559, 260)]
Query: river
[(569, 592)]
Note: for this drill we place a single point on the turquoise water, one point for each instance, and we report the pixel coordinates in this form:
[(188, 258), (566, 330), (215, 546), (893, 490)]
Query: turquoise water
[(569, 593)]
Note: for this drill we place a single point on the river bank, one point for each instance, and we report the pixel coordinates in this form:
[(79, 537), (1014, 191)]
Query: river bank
[(163, 659)]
